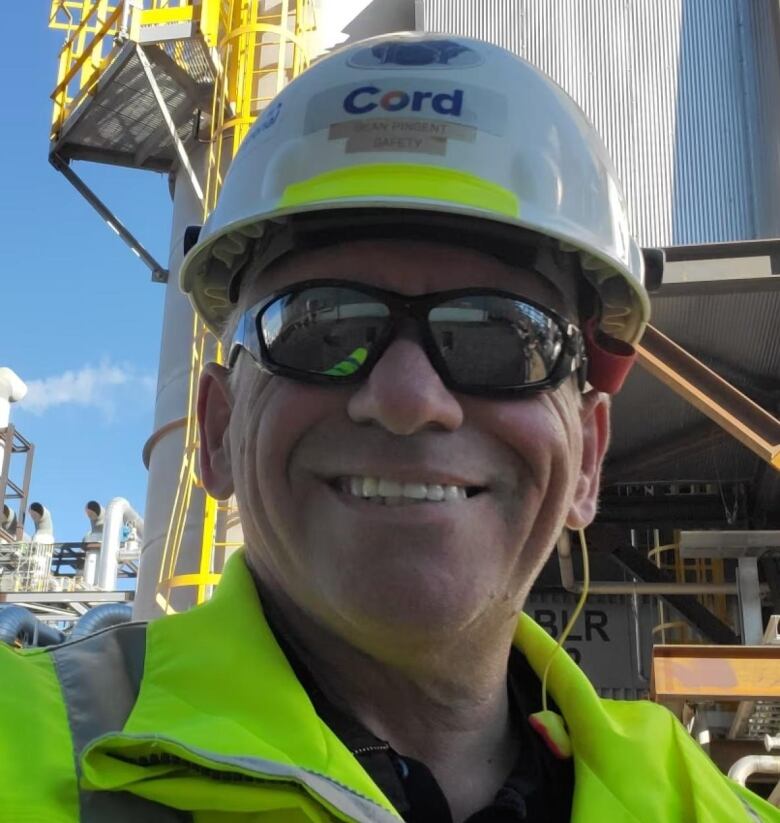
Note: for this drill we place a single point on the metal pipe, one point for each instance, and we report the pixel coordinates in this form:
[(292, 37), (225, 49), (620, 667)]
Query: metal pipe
[(127, 11), (746, 766), (771, 742), (93, 540), (17, 624), (574, 586), (12, 389), (44, 528), (118, 512), (102, 617)]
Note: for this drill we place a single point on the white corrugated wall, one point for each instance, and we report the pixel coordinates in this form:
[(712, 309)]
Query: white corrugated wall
[(684, 92)]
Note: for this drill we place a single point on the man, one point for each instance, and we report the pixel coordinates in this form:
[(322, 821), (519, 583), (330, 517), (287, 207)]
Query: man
[(422, 273)]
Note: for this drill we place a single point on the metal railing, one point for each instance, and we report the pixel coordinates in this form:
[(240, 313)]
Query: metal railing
[(259, 51), (91, 28), (95, 31), (12, 443)]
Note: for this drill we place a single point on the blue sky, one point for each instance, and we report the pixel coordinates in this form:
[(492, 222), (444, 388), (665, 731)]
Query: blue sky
[(82, 318)]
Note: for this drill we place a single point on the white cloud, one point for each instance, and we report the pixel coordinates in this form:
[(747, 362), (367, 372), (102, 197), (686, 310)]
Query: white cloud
[(101, 387)]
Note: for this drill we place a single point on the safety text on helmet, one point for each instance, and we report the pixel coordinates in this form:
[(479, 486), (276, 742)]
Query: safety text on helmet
[(369, 98)]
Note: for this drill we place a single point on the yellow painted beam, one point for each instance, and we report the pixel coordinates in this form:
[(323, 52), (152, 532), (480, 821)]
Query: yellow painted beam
[(700, 386), (169, 14), (727, 673)]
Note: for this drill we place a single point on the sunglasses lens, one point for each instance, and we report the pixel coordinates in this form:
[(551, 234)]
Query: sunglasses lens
[(328, 330), (493, 342)]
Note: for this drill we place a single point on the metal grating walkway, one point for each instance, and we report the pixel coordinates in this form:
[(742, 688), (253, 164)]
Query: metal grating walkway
[(119, 121)]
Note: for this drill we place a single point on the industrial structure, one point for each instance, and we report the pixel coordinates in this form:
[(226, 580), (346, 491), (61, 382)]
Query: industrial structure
[(685, 595)]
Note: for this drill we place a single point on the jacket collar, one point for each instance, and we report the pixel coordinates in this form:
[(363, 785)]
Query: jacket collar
[(219, 700)]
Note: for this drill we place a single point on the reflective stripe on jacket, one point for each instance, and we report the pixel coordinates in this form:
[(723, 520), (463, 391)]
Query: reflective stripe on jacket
[(198, 717)]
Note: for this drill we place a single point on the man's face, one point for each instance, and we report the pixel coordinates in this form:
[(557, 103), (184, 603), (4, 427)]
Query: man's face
[(413, 570)]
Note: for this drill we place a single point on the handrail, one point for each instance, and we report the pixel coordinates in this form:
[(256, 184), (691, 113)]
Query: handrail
[(82, 25), (88, 49)]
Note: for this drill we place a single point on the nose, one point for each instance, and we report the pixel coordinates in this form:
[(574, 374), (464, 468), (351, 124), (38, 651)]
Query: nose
[(404, 394)]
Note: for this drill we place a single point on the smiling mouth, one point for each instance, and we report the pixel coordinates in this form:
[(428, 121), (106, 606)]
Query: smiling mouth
[(384, 491)]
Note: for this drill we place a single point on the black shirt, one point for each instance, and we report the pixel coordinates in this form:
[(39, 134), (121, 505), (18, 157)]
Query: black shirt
[(538, 790)]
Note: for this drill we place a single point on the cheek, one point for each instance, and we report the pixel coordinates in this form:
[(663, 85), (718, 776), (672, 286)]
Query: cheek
[(274, 416), (544, 435)]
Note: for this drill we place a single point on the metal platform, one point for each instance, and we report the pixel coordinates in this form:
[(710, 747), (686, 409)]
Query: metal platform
[(729, 695), (135, 88), (120, 122), (48, 580)]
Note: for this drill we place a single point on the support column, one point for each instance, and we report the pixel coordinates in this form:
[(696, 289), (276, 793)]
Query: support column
[(164, 449)]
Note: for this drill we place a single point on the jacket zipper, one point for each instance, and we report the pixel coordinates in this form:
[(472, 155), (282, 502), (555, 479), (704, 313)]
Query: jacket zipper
[(378, 747)]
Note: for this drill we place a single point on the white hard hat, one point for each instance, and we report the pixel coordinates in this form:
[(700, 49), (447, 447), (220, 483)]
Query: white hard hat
[(430, 124)]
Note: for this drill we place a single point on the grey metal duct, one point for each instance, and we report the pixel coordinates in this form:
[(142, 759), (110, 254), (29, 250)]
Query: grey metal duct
[(19, 625), (102, 617), (8, 520), (44, 529)]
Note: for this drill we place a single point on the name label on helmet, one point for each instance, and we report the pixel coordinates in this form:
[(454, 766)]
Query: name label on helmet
[(368, 98)]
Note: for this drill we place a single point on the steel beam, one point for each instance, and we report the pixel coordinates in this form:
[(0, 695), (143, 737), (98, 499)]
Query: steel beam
[(66, 597), (722, 673), (689, 511), (7, 436), (689, 607), (198, 95), (159, 273), (181, 151), (110, 157), (720, 251), (770, 566), (750, 623), (710, 394), (732, 544)]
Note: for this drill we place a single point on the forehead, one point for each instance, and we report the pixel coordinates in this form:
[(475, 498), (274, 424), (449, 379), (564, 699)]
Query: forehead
[(411, 267)]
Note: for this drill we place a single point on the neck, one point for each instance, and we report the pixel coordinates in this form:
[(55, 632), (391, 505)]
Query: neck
[(446, 706)]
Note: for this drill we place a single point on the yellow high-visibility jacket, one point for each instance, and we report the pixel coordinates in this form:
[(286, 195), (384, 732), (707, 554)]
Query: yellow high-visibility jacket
[(199, 717)]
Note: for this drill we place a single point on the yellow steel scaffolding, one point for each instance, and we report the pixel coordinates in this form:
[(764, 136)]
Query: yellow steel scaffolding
[(228, 58)]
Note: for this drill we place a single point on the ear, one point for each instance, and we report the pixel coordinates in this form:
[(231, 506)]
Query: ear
[(215, 405), (594, 415)]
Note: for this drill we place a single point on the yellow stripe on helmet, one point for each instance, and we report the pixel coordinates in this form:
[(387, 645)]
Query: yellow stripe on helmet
[(403, 180)]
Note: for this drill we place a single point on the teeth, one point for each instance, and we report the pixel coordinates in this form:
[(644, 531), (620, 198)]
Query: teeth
[(389, 488), (417, 491), (392, 493), (435, 492)]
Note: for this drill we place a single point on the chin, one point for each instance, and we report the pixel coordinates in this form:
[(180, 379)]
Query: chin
[(405, 611)]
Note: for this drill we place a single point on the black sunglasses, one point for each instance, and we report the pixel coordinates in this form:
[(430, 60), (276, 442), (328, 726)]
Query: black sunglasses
[(480, 341)]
